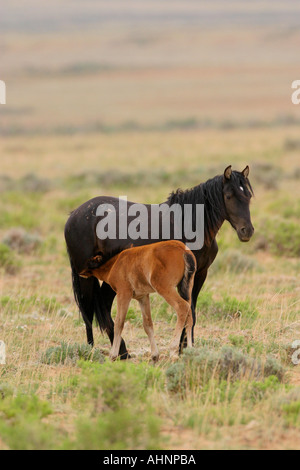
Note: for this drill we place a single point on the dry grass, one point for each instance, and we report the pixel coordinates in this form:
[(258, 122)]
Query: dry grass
[(43, 314)]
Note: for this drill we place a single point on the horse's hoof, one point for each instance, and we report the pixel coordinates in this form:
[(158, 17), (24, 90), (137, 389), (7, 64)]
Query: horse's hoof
[(125, 356)]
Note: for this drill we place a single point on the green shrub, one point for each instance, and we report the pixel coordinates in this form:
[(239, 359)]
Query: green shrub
[(288, 405), (19, 211), (8, 259), (257, 390), (21, 241), (229, 307), (267, 175), (117, 409), (48, 305), (292, 413), (285, 207), (251, 391), (21, 423), (118, 381), (234, 261), (197, 367), (292, 144), (283, 237), (71, 352), (5, 390), (31, 183), (122, 429), (248, 345), (29, 405)]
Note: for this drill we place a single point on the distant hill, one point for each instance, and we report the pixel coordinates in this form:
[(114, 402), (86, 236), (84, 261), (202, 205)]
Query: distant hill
[(62, 15)]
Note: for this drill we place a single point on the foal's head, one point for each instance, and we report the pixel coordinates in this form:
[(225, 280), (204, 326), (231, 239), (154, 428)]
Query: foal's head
[(237, 193)]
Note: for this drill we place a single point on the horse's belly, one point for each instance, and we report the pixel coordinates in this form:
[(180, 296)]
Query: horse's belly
[(142, 288)]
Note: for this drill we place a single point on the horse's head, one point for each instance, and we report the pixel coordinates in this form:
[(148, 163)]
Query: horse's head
[(237, 194)]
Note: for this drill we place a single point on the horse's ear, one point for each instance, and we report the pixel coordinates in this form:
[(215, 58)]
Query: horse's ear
[(227, 172), (245, 172)]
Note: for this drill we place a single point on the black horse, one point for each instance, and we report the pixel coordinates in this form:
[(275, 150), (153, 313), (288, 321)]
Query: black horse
[(225, 197)]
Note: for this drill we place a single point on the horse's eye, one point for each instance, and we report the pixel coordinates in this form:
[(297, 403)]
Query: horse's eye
[(228, 197)]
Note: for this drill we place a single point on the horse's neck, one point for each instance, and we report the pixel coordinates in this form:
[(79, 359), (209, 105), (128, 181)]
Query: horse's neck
[(214, 210), (216, 230)]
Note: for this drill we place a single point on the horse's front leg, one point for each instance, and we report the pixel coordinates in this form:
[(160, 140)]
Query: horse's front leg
[(199, 280)]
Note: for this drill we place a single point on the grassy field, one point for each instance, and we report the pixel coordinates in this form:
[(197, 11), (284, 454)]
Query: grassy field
[(140, 107)]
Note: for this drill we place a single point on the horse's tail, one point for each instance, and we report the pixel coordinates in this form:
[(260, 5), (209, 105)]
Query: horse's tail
[(189, 270), (90, 301)]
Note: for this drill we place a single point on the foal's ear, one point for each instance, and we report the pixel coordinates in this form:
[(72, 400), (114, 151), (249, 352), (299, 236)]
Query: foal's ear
[(95, 262), (245, 172), (227, 172)]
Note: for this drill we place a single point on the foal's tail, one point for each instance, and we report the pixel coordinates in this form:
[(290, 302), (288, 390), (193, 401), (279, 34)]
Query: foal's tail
[(189, 270)]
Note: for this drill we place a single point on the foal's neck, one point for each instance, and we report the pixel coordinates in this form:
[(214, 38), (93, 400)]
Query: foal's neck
[(104, 270)]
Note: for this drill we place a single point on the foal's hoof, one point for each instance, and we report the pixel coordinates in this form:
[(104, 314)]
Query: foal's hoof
[(122, 358), (155, 357)]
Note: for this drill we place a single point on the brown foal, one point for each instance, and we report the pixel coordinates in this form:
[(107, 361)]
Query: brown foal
[(137, 272)]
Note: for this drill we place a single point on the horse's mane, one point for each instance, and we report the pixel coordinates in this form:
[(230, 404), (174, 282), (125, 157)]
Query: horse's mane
[(210, 194)]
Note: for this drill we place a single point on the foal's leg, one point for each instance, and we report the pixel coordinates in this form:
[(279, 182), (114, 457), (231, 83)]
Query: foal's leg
[(108, 295), (148, 325), (184, 316), (123, 300)]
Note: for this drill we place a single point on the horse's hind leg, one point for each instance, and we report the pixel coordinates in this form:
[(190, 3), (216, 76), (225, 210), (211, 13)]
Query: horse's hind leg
[(184, 317), (148, 325), (123, 300)]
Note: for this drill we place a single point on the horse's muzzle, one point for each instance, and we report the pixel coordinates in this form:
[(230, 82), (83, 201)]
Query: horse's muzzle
[(245, 233)]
